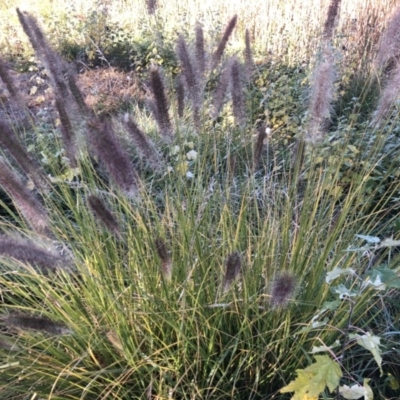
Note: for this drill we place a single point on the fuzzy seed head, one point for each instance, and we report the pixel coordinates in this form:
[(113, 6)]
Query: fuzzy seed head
[(28, 205), (224, 41), (389, 48), (144, 146), (283, 288), (27, 252), (237, 93), (102, 213), (331, 18), (27, 322), (233, 267), (115, 159), (322, 95), (166, 262), (248, 56), (200, 52), (160, 100)]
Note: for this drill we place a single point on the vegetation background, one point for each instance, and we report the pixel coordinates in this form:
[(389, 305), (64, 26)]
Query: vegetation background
[(199, 200)]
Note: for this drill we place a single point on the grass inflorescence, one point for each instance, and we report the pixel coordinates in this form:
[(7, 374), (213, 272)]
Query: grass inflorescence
[(179, 251)]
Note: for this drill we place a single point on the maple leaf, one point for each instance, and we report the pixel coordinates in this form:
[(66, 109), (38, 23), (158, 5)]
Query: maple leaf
[(312, 381)]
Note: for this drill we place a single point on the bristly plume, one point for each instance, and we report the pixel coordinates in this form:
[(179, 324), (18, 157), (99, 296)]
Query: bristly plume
[(11, 87), (67, 132), (160, 99), (42, 324), (221, 90), (389, 47), (233, 267), (237, 93), (191, 80), (322, 94), (48, 57), (144, 146), (27, 252), (166, 262), (248, 57), (259, 144), (283, 289), (104, 142), (151, 6), (200, 52), (102, 213), (390, 94), (28, 205), (56, 68), (180, 95), (224, 41), (331, 19), (31, 168), (8, 345), (78, 96)]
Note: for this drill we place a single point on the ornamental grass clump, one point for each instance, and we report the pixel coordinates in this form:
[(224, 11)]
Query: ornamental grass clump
[(142, 308)]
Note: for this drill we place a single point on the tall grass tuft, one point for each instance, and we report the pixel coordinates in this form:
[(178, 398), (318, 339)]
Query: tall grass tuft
[(141, 313)]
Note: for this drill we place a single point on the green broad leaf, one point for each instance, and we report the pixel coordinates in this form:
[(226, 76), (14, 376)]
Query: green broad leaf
[(386, 276), (371, 343), (313, 380)]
